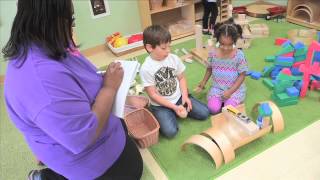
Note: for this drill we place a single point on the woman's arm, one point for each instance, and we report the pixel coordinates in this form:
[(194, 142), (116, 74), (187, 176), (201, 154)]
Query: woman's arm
[(103, 103)]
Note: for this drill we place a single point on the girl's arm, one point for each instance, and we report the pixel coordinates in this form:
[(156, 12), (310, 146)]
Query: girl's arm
[(227, 94), (205, 79)]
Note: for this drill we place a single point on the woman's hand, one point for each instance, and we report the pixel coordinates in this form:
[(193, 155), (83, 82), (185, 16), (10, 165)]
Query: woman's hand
[(113, 76)]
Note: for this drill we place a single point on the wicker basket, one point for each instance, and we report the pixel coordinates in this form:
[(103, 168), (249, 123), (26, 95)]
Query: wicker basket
[(135, 102), (143, 127)]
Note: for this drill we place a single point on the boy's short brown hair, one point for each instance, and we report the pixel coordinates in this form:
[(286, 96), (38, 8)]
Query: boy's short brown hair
[(156, 35)]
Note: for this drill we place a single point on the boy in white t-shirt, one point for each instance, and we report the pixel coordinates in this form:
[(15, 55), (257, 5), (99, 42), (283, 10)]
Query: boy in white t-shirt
[(162, 75)]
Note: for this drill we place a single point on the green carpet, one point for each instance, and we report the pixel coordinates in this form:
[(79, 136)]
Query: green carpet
[(197, 164)]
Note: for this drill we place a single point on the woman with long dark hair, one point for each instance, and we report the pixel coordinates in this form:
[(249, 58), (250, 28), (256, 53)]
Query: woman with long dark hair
[(60, 104)]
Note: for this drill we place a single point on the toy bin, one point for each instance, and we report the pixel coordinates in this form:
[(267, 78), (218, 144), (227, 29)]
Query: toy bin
[(126, 48), (143, 127)]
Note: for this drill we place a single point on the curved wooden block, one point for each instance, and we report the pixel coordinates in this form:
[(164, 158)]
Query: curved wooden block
[(276, 117), (206, 144), (223, 142), (304, 10), (253, 137), (218, 119), (305, 6)]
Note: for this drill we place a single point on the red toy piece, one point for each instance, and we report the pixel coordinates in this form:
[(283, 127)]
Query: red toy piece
[(135, 38), (308, 69), (315, 85), (286, 71), (290, 54), (239, 10), (280, 41), (298, 64), (276, 10)]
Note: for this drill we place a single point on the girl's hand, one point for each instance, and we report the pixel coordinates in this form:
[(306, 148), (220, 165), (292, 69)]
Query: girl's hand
[(181, 111), (186, 102), (198, 89), (226, 95), (113, 76)]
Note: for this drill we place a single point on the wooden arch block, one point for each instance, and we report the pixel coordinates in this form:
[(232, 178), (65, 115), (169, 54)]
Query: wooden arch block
[(223, 142), (206, 144)]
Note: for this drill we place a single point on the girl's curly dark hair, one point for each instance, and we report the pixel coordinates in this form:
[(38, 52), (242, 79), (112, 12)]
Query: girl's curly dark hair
[(229, 29)]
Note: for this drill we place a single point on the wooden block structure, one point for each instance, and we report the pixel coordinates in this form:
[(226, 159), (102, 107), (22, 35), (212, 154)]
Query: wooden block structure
[(306, 36), (304, 12), (225, 136), (257, 30)]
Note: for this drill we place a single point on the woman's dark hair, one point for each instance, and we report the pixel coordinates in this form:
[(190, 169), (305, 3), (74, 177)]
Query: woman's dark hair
[(229, 29), (156, 35), (46, 23)]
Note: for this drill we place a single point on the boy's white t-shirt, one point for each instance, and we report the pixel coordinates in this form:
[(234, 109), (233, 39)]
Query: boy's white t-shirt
[(163, 75)]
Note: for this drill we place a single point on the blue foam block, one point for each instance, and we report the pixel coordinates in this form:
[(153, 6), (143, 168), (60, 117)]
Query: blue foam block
[(256, 75), (274, 73), (315, 77), (266, 109), (285, 59), (293, 91), (295, 71), (248, 73), (298, 84), (316, 56), (299, 45)]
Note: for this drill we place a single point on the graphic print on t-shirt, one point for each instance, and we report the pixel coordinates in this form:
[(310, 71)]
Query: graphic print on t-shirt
[(166, 81)]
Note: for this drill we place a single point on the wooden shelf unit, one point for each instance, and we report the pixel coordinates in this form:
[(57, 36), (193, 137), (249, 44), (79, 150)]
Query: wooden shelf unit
[(223, 10), (304, 12), (198, 9), (167, 15)]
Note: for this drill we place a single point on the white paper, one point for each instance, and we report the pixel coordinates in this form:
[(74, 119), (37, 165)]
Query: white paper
[(130, 69)]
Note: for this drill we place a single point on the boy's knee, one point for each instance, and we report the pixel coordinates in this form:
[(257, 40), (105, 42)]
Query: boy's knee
[(204, 114), (169, 132)]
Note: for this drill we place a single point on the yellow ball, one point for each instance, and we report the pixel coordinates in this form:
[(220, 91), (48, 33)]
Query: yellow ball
[(120, 42)]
